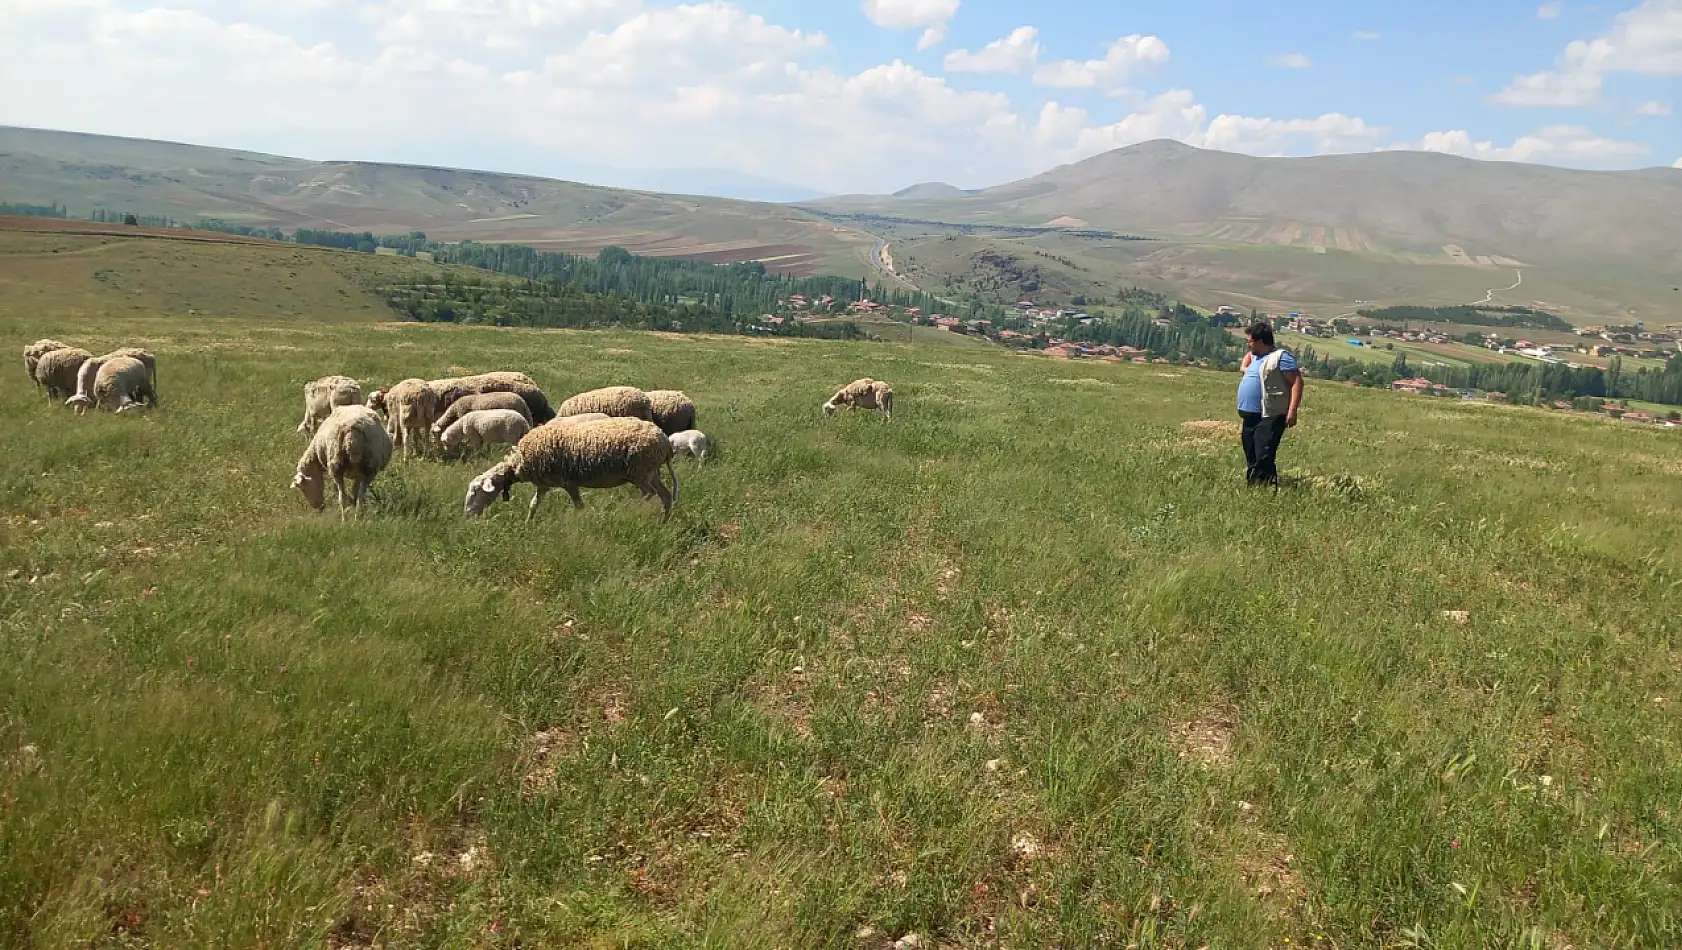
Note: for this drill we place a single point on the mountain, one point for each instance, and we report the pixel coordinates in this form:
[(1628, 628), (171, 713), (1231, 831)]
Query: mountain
[(1442, 207), (931, 189), (188, 182)]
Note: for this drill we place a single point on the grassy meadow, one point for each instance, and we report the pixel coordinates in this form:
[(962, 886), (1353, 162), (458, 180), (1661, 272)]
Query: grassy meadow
[(1027, 667)]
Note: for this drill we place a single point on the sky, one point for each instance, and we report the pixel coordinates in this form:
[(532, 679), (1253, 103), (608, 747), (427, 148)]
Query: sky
[(844, 96)]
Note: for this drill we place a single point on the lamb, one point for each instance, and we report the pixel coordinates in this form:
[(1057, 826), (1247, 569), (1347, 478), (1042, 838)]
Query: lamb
[(33, 352), (349, 443), (603, 454), (483, 427), (121, 383), (671, 410), (322, 396), (450, 390), (410, 406), (863, 394), (467, 404), (90, 371), (691, 441), (622, 401), (56, 371)]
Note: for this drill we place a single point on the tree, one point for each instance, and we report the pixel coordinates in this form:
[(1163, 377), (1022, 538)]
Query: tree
[(129, 220)]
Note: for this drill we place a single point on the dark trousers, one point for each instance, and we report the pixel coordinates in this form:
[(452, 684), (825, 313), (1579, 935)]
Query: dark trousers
[(1261, 444)]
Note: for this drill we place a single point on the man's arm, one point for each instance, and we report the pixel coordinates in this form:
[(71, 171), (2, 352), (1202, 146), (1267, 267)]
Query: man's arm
[(1294, 377)]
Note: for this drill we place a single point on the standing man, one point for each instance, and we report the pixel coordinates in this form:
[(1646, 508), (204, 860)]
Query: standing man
[(1269, 395)]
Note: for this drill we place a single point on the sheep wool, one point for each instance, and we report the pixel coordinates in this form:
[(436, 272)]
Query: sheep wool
[(863, 394), (122, 383), (450, 390), (411, 407), (467, 404), (604, 454), (483, 427), (691, 442), (671, 410), (322, 396), (33, 352), (349, 443), (623, 401), (58, 370), (578, 419), (90, 370)]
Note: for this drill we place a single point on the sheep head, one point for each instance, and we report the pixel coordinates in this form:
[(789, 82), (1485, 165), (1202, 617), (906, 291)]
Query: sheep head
[(483, 490), (310, 481), (79, 402)]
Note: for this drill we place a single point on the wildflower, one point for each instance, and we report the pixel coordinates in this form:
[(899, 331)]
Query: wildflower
[(1455, 843)]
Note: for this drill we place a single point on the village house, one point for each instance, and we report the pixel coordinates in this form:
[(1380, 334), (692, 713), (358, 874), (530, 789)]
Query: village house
[(1419, 386)]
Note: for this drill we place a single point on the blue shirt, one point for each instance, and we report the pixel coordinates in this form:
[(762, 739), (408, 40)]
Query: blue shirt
[(1250, 387)]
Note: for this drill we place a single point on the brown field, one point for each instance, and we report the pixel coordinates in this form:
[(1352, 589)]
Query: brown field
[(68, 226)]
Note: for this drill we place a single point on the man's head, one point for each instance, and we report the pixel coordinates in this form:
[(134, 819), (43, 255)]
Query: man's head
[(1261, 337)]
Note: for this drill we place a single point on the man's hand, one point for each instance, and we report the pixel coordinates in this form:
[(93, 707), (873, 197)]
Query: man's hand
[(1291, 419)]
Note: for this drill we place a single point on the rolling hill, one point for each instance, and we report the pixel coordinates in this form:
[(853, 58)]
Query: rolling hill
[(189, 182)]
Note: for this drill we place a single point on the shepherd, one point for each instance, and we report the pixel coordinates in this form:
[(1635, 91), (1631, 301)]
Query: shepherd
[(1269, 395)]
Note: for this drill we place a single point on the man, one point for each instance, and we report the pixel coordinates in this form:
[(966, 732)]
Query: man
[(1269, 395)]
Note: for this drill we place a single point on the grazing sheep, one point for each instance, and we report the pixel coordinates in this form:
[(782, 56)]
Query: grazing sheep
[(411, 406), (33, 352), (694, 442), (622, 401), (121, 383), (322, 396), (580, 418), (90, 371), (483, 427), (57, 370), (349, 443), (467, 404), (604, 454), (450, 390), (671, 410), (863, 394)]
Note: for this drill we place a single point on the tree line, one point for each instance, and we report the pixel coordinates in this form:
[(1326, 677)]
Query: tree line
[(1522, 382)]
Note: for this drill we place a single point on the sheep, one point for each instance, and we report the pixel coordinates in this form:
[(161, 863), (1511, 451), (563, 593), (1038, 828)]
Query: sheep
[(121, 384), (450, 390), (603, 454), (580, 418), (90, 371), (322, 396), (411, 406), (863, 394), (467, 404), (56, 371), (671, 410), (349, 443), (691, 441), (32, 355), (483, 427), (622, 401)]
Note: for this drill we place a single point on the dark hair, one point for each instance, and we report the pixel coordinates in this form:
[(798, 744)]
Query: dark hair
[(1262, 332)]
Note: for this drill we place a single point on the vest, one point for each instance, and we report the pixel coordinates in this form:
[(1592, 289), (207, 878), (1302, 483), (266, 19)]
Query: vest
[(1276, 393)]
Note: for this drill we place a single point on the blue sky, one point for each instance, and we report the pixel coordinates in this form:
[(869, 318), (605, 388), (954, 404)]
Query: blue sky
[(852, 95)]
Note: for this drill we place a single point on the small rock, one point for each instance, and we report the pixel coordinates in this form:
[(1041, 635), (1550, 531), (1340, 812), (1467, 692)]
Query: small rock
[(977, 720), (864, 933), (1244, 806), (908, 942), (1026, 846), (992, 765)]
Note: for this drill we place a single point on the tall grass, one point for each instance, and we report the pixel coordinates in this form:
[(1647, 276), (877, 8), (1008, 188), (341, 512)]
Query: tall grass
[(1026, 667)]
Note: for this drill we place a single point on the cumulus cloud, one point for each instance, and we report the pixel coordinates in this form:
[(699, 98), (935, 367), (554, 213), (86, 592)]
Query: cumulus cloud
[(1657, 109), (1177, 114), (1558, 144), (1646, 40), (931, 16), (1549, 11), (1289, 61), (1014, 54), (1677, 163), (1123, 59)]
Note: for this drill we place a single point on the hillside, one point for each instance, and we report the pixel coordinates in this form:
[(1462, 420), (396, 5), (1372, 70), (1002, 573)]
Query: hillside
[(190, 182)]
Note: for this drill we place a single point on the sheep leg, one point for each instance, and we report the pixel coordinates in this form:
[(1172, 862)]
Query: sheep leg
[(666, 496), (577, 499), (361, 494), (344, 496), (536, 499)]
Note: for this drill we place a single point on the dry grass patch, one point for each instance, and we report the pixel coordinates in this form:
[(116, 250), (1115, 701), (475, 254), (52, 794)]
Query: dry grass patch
[(1206, 739)]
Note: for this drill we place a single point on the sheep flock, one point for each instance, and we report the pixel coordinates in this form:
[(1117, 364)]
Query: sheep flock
[(600, 438)]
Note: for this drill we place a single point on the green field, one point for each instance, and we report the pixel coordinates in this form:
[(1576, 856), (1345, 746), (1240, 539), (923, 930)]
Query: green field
[(1026, 667), (1339, 347)]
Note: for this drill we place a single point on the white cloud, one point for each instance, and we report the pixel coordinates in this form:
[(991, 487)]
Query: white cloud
[(1555, 144), (1549, 11), (1677, 163), (931, 16), (1014, 54), (1657, 109), (1290, 61), (1367, 36), (1646, 40), (1124, 57), (1177, 114)]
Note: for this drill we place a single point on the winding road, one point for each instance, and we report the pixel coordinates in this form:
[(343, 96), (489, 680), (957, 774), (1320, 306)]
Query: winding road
[(1489, 296)]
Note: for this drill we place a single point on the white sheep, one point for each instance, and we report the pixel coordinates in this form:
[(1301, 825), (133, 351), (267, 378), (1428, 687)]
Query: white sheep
[(32, 355), (322, 396), (671, 410), (57, 371), (90, 370), (483, 427), (411, 407), (580, 418), (473, 403), (120, 384), (350, 443), (863, 394), (624, 401), (454, 388), (693, 442), (603, 454)]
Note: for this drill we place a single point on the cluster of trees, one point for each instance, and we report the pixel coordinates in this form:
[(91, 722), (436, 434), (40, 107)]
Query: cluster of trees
[(1468, 315), (1522, 382), (1187, 333), (102, 216), (547, 303), (54, 210)]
